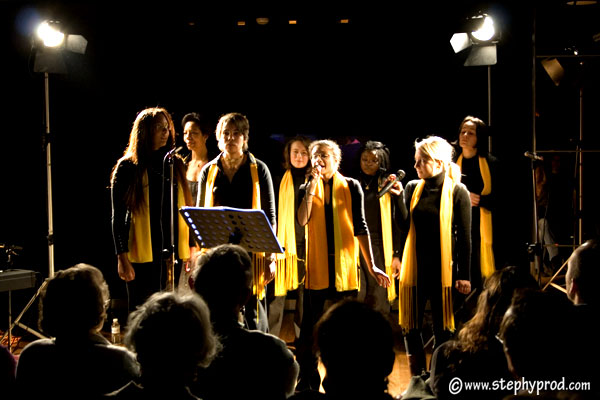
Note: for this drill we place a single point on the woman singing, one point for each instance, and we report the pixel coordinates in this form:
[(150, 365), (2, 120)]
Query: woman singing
[(332, 207), (141, 207), (435, 216), (235, 178)]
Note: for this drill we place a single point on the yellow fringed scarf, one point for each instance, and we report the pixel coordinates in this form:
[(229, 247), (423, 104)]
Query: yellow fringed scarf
[(486, 253), (258, 259), (140, 241), (346, 244), (287, 263), (385, 206), (408, 272)]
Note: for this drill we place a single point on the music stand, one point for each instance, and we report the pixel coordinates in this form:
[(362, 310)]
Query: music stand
[(212, 226)]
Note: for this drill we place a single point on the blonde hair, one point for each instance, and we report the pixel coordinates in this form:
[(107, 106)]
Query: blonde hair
[(333, 146), (438, 149)]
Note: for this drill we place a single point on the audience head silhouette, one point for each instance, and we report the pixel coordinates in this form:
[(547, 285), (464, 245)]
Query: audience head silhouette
[(74, 302), (230, 262), (583, 274), (534, 324), (366, 366), (164, 315), (492, 303)]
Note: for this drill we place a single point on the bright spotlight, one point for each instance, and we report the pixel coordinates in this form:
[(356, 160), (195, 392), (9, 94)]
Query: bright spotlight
[(477, 40), (49, 33), (486, 31)]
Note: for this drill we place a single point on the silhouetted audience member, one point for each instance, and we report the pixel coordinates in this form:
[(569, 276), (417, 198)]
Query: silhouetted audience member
[(476, 355), (169, 369), (252, 364), (79, 362), (8, 366), (583, 274), (540, 341), (353, 371)]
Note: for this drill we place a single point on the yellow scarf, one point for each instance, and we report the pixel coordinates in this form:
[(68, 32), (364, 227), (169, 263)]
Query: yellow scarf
[(140, 242), (385, 206), (486, 253), (287, 263), (346, 244), (408, 272), (258, 287)]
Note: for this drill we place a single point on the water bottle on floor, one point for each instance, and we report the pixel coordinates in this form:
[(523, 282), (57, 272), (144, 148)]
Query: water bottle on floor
[(115, 332)]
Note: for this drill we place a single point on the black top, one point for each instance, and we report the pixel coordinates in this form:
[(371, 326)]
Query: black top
[(358, 209), (238, 192), (427, 227), (159, 193), (471, 178), (370, 187)]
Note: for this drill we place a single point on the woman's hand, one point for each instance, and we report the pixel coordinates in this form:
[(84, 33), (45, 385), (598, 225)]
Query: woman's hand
[(381, 277), (396, 267), (396, 188), (474, 199), (463, 287), (126, 271), (270, 270)]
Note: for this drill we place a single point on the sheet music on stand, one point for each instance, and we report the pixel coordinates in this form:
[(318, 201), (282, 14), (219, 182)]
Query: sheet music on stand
[(213, 226)]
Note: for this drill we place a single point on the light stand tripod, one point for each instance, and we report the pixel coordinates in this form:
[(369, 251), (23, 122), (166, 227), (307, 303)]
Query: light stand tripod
[(50, 237)]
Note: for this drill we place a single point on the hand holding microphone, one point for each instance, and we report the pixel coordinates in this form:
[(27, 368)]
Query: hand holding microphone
[(398, 177)]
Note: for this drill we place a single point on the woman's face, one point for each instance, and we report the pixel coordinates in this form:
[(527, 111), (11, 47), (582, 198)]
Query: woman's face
[(160, 132), (298, 154), (322, 156), (369, 162), (468, 135), (425, 166), (231, 140), (193, 136)]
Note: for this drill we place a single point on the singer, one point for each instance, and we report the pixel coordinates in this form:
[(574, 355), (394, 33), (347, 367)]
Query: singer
[(479, 173), (435, 219), (332, 207), (235, 178), (380, 218), (141, 209)]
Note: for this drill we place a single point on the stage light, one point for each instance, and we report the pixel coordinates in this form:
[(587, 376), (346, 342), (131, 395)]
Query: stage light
[(477, 38), (50, 34), (50, 43), (486, 31)]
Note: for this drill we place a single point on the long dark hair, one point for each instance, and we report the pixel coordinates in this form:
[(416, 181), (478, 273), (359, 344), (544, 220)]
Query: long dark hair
[(139, 150)]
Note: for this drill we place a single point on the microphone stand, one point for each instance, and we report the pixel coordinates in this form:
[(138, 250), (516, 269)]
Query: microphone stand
[(535, 249), (169, 158)]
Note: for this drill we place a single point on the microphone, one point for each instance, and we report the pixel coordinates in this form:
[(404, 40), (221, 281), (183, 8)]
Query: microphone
[(399, 176), (310, 177), (533, 156), (172, 152)]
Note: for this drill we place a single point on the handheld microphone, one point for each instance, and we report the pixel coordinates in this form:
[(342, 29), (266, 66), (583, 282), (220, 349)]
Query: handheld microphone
[(399, 176), (310, 177), (533, 156)]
